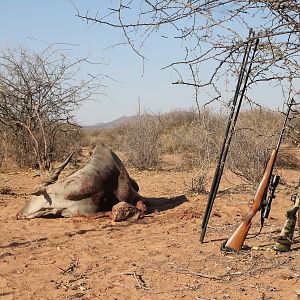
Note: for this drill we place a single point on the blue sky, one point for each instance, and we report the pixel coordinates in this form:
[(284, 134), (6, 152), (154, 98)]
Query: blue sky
[(33, 21)]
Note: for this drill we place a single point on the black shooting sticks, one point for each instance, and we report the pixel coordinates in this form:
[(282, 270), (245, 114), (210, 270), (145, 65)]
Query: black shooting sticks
[(235, 108)]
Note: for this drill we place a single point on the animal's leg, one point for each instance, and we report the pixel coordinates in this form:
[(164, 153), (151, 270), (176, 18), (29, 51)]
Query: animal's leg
[(143, 206)]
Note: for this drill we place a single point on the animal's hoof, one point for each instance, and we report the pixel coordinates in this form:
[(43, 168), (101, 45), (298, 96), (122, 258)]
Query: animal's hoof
[(19, 216), (143, 207)]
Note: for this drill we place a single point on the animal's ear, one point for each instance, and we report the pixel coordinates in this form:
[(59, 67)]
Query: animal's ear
[(39, 190)]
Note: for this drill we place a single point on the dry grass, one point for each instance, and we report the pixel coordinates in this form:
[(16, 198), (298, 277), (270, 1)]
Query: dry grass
[(141, 142), (257, 132), (195, 138), (16, 146)]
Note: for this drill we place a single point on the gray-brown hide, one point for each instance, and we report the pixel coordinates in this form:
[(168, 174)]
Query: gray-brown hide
[(100, 184)]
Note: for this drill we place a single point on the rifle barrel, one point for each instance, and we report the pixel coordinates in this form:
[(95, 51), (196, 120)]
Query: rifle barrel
[(290, 104)]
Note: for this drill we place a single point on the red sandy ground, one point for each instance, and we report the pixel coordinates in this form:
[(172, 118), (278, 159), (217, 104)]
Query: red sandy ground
[(157, 257)]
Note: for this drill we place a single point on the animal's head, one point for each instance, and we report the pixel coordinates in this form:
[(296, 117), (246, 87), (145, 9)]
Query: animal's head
[(38, 206), (40, 203)]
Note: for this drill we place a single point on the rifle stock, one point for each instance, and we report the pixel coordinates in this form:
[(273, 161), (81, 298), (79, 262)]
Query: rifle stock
[(235, 242)]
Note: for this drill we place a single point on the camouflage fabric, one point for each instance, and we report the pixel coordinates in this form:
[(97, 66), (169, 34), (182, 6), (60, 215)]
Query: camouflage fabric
[(284, 241)]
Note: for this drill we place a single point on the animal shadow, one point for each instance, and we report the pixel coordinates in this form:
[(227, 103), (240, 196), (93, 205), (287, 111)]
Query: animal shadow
[(162, 203)]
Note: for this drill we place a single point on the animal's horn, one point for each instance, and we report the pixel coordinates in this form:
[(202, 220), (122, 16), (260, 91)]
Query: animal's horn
[(54, 176)]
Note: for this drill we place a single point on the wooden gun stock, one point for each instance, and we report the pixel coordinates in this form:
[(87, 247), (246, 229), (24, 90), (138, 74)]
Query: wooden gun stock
[(236, 241)]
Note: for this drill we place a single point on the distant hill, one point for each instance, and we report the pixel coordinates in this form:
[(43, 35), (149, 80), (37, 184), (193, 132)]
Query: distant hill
[(114, 123)]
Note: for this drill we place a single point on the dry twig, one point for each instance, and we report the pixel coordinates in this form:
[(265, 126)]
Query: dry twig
[(139, 280)]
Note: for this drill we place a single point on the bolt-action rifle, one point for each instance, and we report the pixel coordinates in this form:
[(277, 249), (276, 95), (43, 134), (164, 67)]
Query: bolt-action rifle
[(236, 241)]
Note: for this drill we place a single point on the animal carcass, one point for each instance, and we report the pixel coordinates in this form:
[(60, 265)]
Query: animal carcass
[(100, 184)]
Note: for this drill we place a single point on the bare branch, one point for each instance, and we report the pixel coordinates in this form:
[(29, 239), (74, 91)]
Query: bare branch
[(213, 33), (39, 93)]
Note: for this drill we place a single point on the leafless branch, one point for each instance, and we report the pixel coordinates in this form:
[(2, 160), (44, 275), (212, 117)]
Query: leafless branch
[(39, 93), (213, 33)]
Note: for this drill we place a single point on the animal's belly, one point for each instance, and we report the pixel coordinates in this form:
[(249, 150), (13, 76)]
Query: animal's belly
[(84, 207)]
